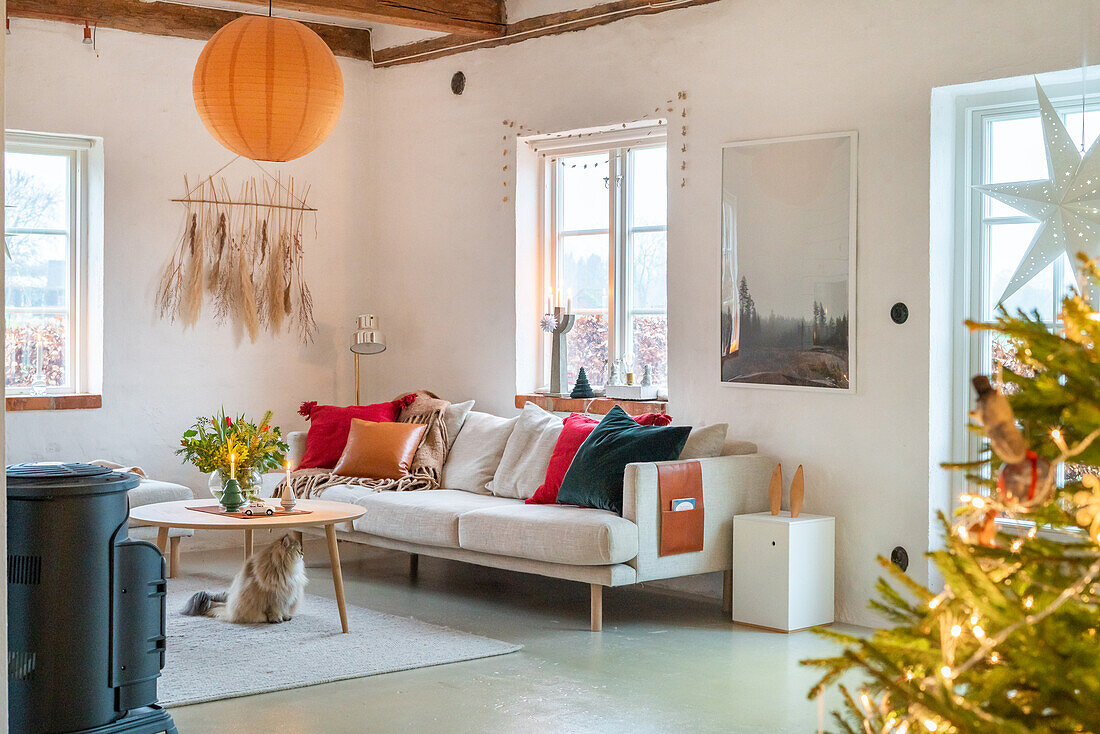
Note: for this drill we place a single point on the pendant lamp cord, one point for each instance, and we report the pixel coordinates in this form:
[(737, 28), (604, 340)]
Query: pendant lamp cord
[(1084, 68), (268, 8)]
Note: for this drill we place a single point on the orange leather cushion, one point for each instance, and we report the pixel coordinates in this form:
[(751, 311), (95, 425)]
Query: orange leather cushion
[(379, 450)]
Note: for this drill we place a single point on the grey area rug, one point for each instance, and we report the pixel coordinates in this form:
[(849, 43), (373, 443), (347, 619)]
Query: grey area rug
[(208, 659)]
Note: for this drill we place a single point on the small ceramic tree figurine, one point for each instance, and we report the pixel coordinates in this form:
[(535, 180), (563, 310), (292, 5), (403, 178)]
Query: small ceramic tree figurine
[(581, 389), (647, 376)]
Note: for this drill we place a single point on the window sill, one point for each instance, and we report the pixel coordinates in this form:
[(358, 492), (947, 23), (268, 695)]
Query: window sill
[(598, 406), (53, 402)]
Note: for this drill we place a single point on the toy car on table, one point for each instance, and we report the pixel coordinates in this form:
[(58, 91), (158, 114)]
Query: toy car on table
[(257, 507)]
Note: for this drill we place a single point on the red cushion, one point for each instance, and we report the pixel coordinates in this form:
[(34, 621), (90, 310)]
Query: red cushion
[(329, 426), (576, 429)]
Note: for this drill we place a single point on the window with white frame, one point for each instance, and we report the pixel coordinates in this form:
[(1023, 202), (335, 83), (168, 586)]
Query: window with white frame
[(1004, 144), (606, 242), (46, 284)]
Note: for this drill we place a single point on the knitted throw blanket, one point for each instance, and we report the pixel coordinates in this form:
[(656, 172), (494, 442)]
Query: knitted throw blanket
[(423, 408)]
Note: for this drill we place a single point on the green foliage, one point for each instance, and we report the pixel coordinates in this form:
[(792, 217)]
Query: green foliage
[(1010, 646), (210, 441)]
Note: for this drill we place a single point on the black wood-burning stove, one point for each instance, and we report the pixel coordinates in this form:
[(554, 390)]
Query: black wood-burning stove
[(85, 606)]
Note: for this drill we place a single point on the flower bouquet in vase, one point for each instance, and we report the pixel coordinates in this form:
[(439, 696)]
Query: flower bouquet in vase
[(235, 452)]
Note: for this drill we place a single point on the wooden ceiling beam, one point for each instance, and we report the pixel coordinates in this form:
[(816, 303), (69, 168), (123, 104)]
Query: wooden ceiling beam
[(468, 18), (528, 28), (169, 19)]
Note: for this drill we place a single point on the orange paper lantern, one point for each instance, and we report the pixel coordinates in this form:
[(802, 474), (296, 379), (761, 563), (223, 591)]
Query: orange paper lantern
[(268, 89)]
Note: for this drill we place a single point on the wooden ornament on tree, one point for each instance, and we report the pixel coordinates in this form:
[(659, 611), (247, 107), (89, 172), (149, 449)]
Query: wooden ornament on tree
[(775, 489), (798, 492)]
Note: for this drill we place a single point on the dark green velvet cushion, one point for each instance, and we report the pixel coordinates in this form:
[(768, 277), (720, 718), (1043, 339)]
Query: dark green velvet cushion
[(595, 478)]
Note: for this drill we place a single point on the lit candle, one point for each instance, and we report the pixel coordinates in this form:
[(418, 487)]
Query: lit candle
[(232, 466), (557, 298), (548, 307), (569, 301), (288, 471)]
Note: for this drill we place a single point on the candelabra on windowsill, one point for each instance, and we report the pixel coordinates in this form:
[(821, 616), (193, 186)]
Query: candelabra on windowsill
[(558, 324)]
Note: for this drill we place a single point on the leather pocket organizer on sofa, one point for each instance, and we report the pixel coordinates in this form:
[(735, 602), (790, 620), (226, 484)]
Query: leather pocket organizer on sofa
[(681, 530)]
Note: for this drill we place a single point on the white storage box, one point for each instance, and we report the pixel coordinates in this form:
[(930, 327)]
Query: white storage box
[(783, 570), (631, 392)]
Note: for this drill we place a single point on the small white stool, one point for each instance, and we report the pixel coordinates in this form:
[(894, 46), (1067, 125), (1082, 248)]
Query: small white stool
[(150, 492), (783, 570)]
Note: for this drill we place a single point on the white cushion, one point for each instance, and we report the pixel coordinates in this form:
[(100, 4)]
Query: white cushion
[(705, 442), (151, 491), (522, 468), (429, 516), (475, 456), (555, 533), (453, 417)]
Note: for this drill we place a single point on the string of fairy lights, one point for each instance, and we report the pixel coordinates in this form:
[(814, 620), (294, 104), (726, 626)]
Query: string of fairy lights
[(961, 628)]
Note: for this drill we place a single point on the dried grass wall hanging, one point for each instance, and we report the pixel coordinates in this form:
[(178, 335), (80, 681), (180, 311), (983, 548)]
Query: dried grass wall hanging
[(244, 255)]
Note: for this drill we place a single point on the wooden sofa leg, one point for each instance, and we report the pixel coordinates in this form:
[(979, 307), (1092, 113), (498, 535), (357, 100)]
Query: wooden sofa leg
[(597, 607), (727, 592), (414, 565), (174, 556)]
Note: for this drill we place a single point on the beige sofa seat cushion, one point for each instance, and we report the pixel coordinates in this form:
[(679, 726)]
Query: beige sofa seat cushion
[(429, 517), (552, 533)]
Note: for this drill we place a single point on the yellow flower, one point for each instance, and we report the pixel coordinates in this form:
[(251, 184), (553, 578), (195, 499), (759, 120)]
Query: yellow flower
[(1088, 505)]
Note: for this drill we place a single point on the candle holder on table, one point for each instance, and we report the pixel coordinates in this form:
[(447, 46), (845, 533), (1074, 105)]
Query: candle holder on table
[(559, 352)]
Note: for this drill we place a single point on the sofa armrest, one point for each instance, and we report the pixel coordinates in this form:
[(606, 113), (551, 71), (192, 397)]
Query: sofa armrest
[(296, 440), (732, 485)]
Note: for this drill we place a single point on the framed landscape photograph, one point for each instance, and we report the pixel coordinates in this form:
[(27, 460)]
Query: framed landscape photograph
[(788, 262)]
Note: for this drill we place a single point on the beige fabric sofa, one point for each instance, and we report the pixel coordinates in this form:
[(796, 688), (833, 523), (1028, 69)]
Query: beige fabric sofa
[(579, 544)]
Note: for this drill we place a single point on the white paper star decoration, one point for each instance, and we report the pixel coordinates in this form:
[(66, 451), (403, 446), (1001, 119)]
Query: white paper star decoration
[(1067, 205)]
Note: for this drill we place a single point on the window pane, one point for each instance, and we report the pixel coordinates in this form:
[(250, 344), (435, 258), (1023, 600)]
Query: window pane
[(1016, 151), (650, 194), (1007, 245), (588, 348), (584, 191), (37, 190), (584, 270), (38, 271), (36, 342), (1092, 127), (651, 347), (649, 269)]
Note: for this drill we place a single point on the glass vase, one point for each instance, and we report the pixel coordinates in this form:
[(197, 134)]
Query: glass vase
[(250, 480)]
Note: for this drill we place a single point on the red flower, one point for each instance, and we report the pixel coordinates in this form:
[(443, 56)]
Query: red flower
[(263, 428), (228, 421)]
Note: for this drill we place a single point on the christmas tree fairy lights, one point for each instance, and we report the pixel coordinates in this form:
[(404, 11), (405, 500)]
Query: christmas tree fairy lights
[(1010, 643)]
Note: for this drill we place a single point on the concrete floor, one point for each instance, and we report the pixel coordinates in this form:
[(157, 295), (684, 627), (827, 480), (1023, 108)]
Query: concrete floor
[(662, 663)]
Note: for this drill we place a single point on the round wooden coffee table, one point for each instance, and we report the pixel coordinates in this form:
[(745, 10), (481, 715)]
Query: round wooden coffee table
[(168, 515)]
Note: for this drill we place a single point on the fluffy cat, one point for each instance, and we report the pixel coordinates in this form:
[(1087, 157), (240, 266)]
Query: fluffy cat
[(268, 588)]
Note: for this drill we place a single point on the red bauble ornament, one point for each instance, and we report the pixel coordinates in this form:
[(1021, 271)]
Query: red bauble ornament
[(1025, 482)]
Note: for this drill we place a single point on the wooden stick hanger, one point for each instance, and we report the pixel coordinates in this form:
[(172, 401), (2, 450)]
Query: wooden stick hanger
[(301, 205)]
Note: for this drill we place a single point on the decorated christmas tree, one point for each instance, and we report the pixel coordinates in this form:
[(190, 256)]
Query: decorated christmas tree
[(1011, 644), (581, 388)]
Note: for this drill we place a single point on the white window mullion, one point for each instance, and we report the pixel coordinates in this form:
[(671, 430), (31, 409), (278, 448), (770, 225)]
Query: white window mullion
[(626, 247), (614, 260)]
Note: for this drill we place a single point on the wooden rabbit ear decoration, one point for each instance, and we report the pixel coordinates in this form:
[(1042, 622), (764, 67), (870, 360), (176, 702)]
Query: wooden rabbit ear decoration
[(798, 492), (775, 489)]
